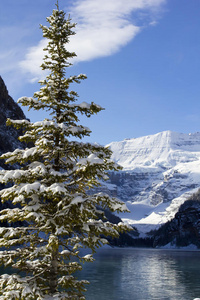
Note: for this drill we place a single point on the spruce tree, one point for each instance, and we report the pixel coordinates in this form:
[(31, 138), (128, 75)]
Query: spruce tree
[(51, 191)]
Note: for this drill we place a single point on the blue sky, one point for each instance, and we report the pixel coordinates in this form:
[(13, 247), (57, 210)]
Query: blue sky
[(142, 59)]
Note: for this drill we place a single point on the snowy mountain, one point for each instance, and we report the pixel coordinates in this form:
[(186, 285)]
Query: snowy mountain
[(159, 173)]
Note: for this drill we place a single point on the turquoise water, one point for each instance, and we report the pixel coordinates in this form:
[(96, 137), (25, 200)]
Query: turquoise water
[(143, 274)]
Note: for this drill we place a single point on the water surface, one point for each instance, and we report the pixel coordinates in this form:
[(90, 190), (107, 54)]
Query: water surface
[(143, 274)]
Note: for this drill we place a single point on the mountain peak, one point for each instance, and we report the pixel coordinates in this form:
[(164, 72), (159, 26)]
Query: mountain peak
[(164, 149)]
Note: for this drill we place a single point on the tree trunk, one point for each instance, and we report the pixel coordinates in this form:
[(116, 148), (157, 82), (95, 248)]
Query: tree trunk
[(53, 282)]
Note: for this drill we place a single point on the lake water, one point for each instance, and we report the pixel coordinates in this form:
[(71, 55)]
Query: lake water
[(143, 274)]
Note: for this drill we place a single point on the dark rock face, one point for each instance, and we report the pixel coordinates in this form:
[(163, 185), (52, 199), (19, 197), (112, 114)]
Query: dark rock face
[(8, 109), (184, 229), (8, 135)]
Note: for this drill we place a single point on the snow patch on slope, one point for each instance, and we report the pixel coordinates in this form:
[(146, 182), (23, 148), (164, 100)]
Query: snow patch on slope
[(148, 217)]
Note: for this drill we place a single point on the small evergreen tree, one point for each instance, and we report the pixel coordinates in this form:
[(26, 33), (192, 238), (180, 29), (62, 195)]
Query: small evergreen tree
[(50, 189)]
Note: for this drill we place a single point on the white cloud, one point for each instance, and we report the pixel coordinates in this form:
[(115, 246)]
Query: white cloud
[(103, 28), (33, 60)]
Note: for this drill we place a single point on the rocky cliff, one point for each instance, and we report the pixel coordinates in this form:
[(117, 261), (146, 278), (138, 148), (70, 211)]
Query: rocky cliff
[(184, 229), (8, 135), (8, 109)]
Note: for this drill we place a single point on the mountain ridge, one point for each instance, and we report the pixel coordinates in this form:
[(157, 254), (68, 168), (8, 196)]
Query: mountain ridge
[(160, 149)]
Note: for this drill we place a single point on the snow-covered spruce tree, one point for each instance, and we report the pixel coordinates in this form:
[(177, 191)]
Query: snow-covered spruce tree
[(49, 191)]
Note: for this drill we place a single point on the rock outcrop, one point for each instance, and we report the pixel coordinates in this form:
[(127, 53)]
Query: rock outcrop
[(184, 229), (8, 109)]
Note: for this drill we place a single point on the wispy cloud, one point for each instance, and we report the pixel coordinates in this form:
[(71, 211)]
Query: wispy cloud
[(103, 28), (12, 50)]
